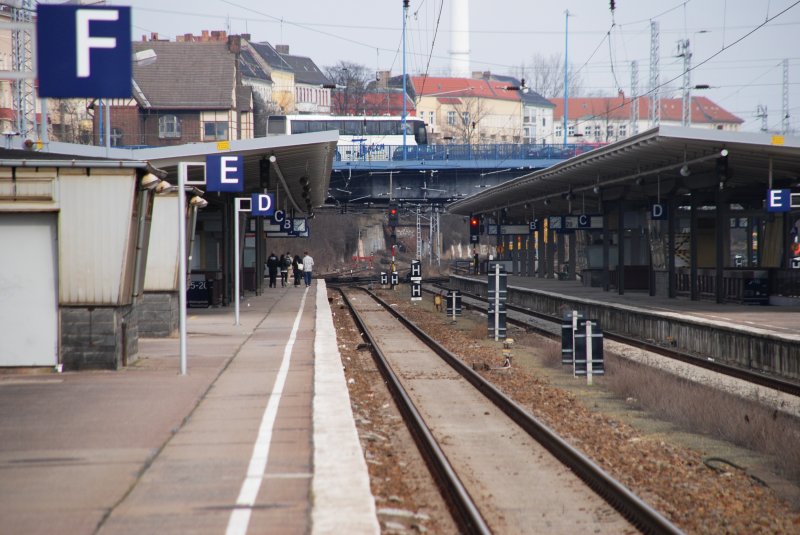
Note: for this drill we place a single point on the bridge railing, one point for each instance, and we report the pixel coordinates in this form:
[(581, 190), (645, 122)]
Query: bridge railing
[(502, 151)]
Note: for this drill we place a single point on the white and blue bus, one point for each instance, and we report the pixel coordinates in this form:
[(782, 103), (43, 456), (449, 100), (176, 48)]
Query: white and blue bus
[(360, 137)]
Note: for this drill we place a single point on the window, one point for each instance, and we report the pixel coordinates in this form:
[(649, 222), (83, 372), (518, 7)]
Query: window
[(432, 120), (215, 130), (169, 126), (587, 131), (451, 118), (610, 131), (465, 118), (597, 131), (623, 130), (544, 121), (558, 131), (571, 130), (116, 137)]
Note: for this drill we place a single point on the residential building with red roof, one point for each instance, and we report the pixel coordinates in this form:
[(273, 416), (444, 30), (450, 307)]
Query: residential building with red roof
[(609, 119), (468, 110)]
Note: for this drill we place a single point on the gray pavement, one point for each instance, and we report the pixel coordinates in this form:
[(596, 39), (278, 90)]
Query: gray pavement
[(146, 450)]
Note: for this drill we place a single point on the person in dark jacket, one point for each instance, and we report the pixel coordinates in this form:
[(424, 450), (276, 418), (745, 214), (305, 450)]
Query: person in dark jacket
[(284, 263), (297, 268), (273, 263)]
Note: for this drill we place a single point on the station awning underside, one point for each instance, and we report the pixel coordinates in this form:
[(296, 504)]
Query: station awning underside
[(656, 164), (300, 160)]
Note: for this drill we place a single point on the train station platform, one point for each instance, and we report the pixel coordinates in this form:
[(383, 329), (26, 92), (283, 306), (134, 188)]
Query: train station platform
[(257, 437), (765, 338)]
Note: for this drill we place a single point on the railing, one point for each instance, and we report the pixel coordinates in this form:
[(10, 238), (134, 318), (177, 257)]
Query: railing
[(741, 285), (504, 151)]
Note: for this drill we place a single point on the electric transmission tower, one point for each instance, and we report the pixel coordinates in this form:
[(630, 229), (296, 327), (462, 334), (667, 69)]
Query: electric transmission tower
[(655, 99), (22, 62), (634, 97)]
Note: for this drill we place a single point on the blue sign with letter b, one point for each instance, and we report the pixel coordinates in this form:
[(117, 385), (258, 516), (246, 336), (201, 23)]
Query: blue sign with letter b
[(84, 51)]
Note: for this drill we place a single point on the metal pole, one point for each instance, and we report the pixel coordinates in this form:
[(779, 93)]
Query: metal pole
[(496, 302), (182, 172), (405, 14), (589, 353), (236, 259), (566, 82)]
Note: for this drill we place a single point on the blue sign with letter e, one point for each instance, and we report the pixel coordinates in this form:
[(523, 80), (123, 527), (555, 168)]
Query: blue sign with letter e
[(779, 200), (84, 51), (224, 173), (263, 204)]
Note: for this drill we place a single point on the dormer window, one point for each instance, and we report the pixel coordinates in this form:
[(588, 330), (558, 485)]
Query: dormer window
[(169, 126)]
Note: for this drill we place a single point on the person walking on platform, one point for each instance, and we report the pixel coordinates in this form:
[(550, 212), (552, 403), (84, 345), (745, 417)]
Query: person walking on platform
[(308, 265), (476, 260), (272, 268), (297, 268), (284, 263)]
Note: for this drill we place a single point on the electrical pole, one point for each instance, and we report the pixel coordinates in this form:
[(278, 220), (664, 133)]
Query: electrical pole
[(785, 114), (22, 51), (634, 97), (686, 106), (761, 113), (655, 99)]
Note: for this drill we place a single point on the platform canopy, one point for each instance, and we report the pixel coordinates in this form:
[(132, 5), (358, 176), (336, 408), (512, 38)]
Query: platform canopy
[(661, 162), (299, 160)]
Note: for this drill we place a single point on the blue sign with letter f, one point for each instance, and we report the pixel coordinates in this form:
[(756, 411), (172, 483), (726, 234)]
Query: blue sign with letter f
[(84, 51)]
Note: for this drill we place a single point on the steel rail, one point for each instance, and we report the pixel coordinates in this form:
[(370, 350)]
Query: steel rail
[(465, 512), (647, 519), (775, 383)]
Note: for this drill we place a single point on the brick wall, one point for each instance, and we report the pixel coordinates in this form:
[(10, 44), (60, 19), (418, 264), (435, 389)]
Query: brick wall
[(98, 337), (158, 314)]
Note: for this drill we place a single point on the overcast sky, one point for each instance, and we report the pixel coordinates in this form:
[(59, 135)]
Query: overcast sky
[(744, 70)]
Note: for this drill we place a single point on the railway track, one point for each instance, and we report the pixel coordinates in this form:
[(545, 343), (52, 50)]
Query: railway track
[(500, 469), (550, 326)]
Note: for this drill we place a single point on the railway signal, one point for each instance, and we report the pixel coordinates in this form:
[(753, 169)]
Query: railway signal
[(474, 229), (393, 216)]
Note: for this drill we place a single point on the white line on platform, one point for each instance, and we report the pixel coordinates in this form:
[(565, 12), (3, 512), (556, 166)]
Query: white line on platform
[(240, 517)]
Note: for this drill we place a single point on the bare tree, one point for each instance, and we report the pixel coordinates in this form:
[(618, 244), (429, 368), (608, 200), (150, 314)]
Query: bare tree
[(351, 85), (545, 75), (469, 113), (262, 109)]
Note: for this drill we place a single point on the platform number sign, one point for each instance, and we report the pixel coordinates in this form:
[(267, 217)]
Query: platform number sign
[(224, 173), (263, 204), (84, 51), (796, 262)]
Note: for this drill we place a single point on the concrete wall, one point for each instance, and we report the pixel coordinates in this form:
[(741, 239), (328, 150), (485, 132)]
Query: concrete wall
[(99, 337)]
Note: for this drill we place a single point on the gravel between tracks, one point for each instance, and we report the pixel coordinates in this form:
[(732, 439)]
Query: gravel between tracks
[(670, 477)]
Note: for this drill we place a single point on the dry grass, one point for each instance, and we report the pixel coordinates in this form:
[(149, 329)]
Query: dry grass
[(706, 410)]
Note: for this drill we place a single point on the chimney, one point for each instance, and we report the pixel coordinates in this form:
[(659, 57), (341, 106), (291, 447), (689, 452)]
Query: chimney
[(246, 36), (477, 75), (204, 36), (282, 49), (154, 36), (235, 44), (382, 79)]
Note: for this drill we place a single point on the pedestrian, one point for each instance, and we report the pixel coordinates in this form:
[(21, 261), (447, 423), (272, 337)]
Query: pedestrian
[(285, 262), (476, 260), (297, 268), (272, 268), (308, 265)]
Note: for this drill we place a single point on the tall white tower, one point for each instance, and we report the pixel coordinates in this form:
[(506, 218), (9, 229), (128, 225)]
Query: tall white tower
[(459, 40)]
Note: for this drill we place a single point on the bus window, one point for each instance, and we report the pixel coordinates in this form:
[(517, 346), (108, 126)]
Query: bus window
[(373, 128), (420, 134), (388, 128), (316, 126), (276, 125), (352, 128), (299, 127)]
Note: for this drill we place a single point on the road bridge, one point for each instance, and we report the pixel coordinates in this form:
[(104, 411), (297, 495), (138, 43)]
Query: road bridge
[(434, 174)]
